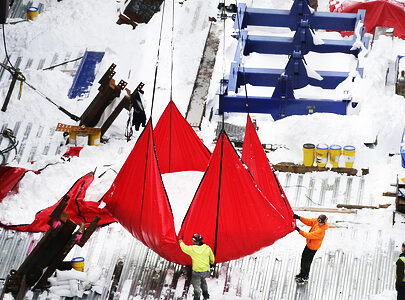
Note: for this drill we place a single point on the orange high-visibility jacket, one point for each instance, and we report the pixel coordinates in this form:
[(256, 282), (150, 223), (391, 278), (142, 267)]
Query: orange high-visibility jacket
[(315, 235)]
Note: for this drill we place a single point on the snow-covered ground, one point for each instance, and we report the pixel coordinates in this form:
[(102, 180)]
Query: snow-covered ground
[(73, 26)]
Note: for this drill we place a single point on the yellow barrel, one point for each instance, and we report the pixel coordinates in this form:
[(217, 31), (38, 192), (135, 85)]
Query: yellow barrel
[(78, 263), (349, 153), (94, 139), (309, 154), (334, 154), (32, 12), (72, 138), (321, 155)]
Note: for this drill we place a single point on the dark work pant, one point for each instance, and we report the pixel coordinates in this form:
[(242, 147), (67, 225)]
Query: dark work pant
[(306, 261), (199, 283), (401, 293)]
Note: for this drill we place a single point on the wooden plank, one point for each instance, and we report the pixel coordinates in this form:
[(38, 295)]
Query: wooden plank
[(301, 169), (353, 206), (329, 210)]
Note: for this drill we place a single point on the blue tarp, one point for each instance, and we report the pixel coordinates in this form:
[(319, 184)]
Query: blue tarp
[(85, 74)]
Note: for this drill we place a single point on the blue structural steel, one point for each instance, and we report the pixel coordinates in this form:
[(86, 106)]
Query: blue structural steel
[(281, 104), (295, 70), (85, 74), (300, 10), (294, 76), (302, 40)]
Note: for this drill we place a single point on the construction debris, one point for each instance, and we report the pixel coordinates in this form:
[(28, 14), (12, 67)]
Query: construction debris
[(49, 253), (301, 169), (354, 206)]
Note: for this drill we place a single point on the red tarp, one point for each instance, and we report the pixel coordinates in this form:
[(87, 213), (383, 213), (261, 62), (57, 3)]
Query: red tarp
[(233, 216), (138, 200), (256, 160), (178, 147), (378, 13), (9, 179), (78, 209)]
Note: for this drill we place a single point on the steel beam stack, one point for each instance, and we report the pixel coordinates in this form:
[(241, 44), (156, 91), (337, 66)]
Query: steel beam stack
[(303, 20)]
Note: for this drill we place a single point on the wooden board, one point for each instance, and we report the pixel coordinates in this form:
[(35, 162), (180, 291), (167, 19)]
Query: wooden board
[(77, 129)]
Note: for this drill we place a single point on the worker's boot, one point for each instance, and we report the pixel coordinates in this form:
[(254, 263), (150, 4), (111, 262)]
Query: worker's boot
[(206, 295), (196, 297)]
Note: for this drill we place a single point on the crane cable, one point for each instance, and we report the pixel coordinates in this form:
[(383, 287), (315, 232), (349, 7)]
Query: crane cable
[(16, 72)]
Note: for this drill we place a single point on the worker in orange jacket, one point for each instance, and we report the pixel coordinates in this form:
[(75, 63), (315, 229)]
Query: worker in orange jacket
[(314, 240)]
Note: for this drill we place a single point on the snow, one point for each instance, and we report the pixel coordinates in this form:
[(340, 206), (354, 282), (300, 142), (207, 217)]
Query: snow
[(73, 26)]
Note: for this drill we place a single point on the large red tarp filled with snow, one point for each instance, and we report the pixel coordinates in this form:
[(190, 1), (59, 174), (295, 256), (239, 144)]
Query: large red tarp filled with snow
[(138, 200), (256, 160), (78, 209), (178, 147), (233, 216), (388, 13)]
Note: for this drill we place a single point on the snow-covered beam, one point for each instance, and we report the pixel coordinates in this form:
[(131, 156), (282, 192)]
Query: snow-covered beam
[(287, 18)]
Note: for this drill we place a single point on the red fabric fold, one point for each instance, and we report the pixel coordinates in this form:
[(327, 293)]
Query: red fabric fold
[(233, 216), (78, 209), (256, 160), (178, 147)]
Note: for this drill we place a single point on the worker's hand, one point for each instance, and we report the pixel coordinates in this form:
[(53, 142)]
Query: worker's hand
[(296, 216), (180, 240), (296, 228)]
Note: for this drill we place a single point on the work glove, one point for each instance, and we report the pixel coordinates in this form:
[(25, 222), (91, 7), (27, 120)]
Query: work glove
[(296, 216), (296, 228)]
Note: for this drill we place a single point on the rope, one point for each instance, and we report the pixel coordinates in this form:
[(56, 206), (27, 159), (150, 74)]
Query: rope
[(223, 46), (8, 133), (5, 48), (223, 58), (157, 59), (22, 78), (65, 62), (219, 193), (172, 51), (72, 116), (241, 59), (171, 87), (170, 139)]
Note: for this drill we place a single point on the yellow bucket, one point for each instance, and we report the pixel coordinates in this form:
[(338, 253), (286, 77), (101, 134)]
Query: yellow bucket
[(335, 151), (94, 139), (78, 263), (309, 154), (348, 153), (321, 155), (72, 138), (32, 13)]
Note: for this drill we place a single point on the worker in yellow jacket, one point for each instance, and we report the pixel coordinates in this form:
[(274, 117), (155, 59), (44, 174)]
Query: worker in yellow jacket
[(202, 259), (400, 274), (314, 240)]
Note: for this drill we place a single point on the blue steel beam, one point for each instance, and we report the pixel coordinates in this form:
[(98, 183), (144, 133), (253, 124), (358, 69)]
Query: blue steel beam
[(286, 45), (284, 18), (281, 108), (269, 77)]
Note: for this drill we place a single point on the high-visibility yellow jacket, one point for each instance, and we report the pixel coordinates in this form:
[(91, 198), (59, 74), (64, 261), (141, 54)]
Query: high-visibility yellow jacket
[(400, 273), (201, 256), (315, 235)]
